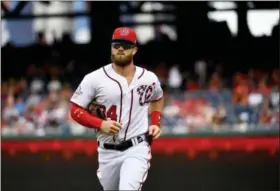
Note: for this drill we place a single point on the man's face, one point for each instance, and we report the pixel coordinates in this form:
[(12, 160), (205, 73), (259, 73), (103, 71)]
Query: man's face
[(122, 53)]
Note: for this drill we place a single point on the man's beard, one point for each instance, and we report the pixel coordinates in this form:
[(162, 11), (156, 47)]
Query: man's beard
[(122, 60)]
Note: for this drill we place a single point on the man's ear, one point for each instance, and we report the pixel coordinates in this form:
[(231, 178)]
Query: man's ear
[(135, 51)]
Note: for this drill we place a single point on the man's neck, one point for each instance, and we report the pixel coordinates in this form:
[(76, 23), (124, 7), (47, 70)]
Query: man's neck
[(125, 71)]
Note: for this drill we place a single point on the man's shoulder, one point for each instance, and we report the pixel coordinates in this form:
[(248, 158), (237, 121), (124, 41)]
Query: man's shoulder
[(96, 74), (149, 74)]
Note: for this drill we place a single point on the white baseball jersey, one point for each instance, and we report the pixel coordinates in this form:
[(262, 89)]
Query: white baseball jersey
[(124, 103)]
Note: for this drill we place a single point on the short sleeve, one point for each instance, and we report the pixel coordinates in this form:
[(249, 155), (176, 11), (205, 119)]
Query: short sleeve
[(158, 92), (85, 92)]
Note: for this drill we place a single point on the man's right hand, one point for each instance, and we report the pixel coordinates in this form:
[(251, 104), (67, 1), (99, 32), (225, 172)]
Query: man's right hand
[(110, 127)]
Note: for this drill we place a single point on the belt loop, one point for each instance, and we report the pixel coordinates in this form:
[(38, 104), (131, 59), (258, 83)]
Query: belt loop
[(100, 144), (134, 141), (144, 137)]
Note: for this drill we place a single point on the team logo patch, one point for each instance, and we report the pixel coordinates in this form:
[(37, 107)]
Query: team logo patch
[(78, 92), (145, 93), (124, 32)]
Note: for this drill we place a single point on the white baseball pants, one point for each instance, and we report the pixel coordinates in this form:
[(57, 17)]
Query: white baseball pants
[(124, 170)]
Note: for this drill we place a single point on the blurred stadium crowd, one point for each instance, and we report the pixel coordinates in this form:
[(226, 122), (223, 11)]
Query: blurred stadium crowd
[(37, 103)]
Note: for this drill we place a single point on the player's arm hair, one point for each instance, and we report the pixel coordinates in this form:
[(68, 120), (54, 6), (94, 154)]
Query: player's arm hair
[(155, 109), (83, 117)]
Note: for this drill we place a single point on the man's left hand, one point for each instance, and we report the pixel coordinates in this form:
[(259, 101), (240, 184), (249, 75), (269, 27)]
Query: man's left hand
[(154, 131)]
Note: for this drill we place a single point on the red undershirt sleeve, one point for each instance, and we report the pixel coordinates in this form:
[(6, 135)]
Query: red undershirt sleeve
[(81, 116)]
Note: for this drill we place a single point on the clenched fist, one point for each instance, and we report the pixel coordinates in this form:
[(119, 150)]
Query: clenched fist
[(110, 127), (154, 131)]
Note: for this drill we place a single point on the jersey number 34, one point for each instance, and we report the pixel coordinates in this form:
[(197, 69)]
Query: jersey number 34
[(110, 113)]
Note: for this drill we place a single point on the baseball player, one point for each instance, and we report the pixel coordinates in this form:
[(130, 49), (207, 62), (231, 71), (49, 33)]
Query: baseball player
[(125, 96)]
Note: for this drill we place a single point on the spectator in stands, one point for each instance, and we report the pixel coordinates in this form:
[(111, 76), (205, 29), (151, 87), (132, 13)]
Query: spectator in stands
[(200, 67), (219, 116), (275, 81), (191, 85), (274, 97), (10, 113), (241, 90), (251, 78), (207, 111), (20, 105), (34, 97), (22, 88), (174, 79), (57, 112), (172, 121), (215, 82), (54, 85), (263, 87), (66, 92), (255, 99), (276, 118), (265, 115), (4, 91), (244, 114)]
